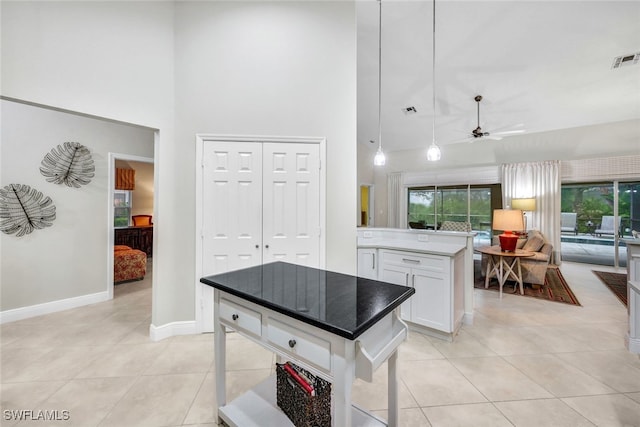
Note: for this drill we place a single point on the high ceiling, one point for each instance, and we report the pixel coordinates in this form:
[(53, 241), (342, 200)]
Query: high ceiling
[(542, 65)]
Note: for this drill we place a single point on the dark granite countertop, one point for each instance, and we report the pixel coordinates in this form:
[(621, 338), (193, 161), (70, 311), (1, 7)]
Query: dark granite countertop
[(339, 303)]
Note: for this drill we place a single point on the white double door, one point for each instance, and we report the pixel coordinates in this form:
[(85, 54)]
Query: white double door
[(261, 203)]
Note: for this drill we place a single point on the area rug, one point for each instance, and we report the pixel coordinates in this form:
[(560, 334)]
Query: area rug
[(555, 287), (616, 282)]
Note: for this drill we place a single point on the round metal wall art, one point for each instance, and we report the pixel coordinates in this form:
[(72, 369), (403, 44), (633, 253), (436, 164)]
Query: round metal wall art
[(70, 164), (24, 209)]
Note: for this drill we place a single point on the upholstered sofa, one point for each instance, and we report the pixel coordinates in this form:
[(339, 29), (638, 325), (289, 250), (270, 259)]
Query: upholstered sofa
[(533, 268), (128, 264)]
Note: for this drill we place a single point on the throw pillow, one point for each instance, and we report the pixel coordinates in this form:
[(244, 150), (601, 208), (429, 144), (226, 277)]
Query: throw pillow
[(535, 242)]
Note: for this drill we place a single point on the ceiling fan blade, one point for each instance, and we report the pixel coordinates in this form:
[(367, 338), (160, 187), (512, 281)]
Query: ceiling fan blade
[(492, 136), (509, 132)]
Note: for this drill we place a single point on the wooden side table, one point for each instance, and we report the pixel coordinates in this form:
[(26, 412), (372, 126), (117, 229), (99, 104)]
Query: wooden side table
[(503, 265)]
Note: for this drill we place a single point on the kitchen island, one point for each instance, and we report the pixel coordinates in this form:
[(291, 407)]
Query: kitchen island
[(438, 264), (337, 326)]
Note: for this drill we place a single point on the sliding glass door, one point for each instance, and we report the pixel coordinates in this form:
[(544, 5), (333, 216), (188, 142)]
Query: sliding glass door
[(605, 213)]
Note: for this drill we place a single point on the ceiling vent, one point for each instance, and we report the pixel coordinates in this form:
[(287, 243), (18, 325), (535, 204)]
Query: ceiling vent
[(625, 60)]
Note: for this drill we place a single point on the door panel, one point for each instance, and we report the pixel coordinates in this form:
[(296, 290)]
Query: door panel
[(232, 218), (291, 189), (398, 276)]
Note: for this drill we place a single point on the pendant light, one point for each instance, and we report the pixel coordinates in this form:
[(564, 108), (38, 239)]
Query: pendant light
[(433, 153), (379, 159)]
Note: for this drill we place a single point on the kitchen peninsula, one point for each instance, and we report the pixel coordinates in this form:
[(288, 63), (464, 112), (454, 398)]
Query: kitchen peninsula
[(438, 264), (337, 326)]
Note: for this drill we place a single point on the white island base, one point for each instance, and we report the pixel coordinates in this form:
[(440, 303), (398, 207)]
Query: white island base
[(258, 408)]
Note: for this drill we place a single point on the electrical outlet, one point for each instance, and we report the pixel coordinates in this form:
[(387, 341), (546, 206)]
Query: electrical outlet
[(368, 234), (423, 237)]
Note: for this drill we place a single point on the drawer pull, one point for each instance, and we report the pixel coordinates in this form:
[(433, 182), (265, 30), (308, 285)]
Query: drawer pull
[(234, 316), (292, 343), (414, 261)]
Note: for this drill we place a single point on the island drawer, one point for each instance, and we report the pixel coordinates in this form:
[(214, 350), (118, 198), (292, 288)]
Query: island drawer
[(303, 345), (238, 316)]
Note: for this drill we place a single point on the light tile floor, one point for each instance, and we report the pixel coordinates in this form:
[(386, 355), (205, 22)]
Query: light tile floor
[(524, 362)]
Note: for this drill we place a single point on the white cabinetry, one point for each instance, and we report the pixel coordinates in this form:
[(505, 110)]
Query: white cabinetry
[(367, 267), (633, 294), (438, 303)]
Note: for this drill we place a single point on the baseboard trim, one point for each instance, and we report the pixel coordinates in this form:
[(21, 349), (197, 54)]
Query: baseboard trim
[(158, 333), (633, 344), (21, 313)]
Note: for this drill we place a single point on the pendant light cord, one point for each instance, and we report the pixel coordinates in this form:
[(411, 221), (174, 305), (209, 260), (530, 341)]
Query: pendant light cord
[(380, 76), (433, 74)]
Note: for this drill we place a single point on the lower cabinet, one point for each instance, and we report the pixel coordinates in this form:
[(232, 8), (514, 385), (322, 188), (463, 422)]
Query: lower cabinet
[(367, 267), (438, 303)]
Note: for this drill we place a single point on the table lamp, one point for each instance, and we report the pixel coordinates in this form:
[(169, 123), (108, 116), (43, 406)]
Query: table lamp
[(524, 205), (508, 220)]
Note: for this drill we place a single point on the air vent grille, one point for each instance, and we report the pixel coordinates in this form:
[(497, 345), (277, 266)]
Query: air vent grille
[(626, 60)]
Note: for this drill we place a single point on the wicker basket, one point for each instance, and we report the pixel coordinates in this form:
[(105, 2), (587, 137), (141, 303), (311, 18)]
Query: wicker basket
[(303, 409)]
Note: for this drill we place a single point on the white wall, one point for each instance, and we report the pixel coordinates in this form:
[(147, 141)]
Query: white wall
[(274, 68), (607, 140), (113, 60), (281, 68), (68, 259)]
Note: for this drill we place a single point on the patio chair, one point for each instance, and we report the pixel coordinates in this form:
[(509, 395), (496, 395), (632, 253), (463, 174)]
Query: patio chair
[(568, 222), (607, 226)]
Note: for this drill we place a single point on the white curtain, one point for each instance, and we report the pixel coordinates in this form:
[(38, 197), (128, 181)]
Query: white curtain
[(541, 181), (394, 200)]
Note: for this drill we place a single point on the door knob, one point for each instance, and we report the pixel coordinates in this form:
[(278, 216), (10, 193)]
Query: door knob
[(292, 343), (234, 316)]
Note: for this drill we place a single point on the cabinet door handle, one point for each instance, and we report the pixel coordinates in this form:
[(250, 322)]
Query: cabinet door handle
[(257, 246), (413, 261), (406, 279), (266, 246), (373, 261), (234, 316), (292, 343), (413, 280)]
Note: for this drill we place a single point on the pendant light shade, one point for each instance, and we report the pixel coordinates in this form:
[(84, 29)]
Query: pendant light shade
[(379, 159), (433, 153)]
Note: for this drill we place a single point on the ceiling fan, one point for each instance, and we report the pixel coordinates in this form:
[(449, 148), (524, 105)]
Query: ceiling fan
[(478, 133)]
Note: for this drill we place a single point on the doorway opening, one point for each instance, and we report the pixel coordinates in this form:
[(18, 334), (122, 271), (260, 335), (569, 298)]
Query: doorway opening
[(366, 206), (125, 203)]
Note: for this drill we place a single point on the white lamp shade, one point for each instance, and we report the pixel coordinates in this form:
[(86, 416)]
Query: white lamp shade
[(508, 220), (524, 204)]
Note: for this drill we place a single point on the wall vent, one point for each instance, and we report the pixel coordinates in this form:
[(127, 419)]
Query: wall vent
[(625, 60)]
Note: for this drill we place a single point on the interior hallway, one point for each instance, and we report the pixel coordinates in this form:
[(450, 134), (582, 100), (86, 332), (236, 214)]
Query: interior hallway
[(524, 362)]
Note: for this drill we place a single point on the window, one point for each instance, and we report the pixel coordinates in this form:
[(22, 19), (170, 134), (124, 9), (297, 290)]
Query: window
[(121, 208), (422, 206), (429, 206)]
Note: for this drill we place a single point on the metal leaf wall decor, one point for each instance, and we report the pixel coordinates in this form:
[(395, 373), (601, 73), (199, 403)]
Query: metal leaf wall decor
[(70, 164), (24, 209)]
